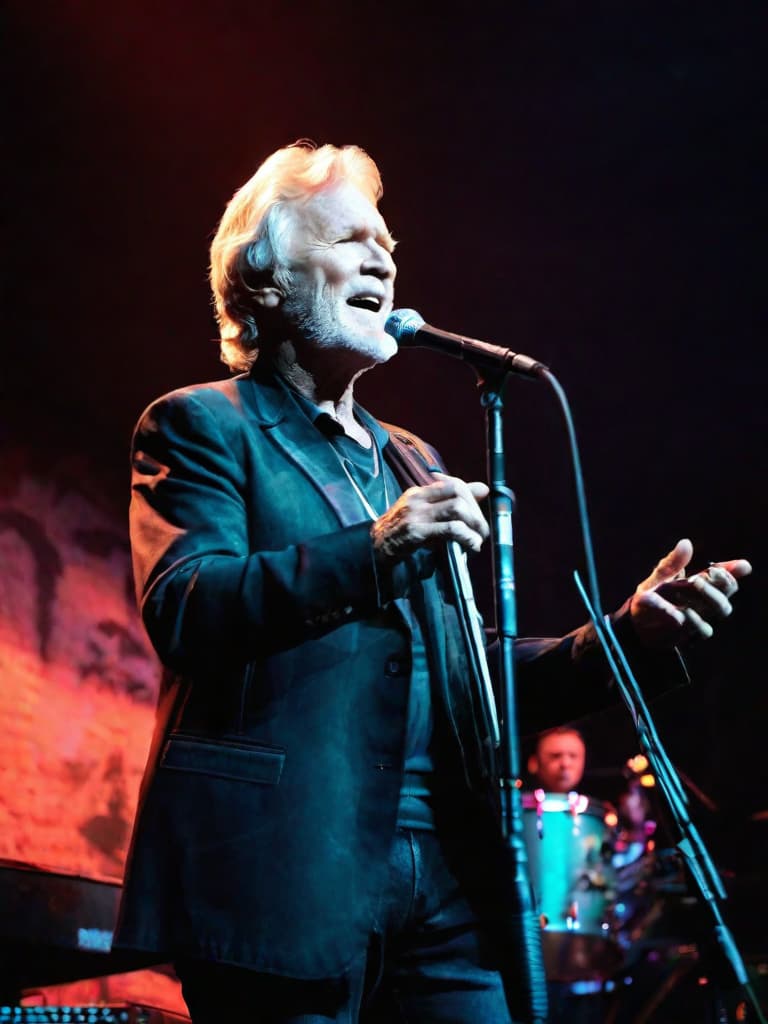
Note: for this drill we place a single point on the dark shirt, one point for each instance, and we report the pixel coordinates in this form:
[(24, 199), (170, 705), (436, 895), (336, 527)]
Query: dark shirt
[(377, 488)]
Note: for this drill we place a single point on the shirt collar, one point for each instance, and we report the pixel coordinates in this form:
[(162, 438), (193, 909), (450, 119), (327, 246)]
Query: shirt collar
[(326, 424)]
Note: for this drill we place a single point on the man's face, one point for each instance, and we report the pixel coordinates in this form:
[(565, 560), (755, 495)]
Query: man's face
[(559, 762), (339, 253)]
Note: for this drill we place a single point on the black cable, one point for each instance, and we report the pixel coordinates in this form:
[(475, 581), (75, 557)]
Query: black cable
[(581, 498)]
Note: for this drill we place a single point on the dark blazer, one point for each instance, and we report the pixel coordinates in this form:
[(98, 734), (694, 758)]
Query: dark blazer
[(271, 792)]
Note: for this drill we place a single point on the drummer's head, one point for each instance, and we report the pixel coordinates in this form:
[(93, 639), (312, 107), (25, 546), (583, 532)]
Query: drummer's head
[(558, 761)]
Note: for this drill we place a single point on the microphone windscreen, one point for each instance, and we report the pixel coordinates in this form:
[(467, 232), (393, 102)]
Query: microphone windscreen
[(403, 325)]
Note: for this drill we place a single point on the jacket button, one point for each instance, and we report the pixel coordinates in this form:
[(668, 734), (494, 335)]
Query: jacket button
[(394, 667)]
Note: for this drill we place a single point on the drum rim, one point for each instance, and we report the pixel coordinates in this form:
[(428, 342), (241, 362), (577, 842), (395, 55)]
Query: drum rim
[(594, 806)]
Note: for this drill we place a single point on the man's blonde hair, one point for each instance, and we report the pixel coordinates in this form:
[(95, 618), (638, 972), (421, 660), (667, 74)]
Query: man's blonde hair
[(246, 250)]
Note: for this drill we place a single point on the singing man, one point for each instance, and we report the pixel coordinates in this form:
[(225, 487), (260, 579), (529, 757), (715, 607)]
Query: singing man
[(318, 835)]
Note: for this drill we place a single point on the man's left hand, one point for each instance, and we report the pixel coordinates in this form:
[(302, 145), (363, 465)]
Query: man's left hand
[(670, 608)]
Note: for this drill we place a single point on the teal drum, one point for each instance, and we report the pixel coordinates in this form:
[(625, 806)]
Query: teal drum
[(569, 838)]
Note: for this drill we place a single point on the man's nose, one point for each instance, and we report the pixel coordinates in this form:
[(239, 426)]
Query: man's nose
[(379, 262)]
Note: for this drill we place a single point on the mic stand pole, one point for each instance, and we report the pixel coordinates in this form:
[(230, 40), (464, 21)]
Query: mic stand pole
[(527, 930)]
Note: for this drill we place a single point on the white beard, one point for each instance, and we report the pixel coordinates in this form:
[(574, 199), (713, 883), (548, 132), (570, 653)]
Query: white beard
[(320, 325)]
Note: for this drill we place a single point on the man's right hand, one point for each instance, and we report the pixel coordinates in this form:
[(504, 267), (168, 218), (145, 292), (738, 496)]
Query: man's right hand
[(427, 516)]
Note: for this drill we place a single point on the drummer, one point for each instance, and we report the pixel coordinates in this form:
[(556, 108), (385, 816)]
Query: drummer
[(557, 763), (557, 766)]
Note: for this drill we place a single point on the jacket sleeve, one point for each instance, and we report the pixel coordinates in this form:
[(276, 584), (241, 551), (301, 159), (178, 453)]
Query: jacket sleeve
[(566, 678), (204, 594)]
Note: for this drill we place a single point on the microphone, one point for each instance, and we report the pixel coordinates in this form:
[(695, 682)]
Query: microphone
[(409, 330)]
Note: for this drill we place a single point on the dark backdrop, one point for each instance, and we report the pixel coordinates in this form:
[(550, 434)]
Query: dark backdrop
[(580, 181)]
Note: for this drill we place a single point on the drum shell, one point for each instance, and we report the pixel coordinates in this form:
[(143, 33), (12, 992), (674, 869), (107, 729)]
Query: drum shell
[(569, 850)]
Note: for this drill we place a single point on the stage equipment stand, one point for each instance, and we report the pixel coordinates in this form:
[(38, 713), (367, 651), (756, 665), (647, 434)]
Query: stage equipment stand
[(526, 926)]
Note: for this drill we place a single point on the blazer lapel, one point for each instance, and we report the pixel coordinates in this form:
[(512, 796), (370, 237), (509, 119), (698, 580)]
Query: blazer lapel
[(470, 706), (410, 464), (285, 424)]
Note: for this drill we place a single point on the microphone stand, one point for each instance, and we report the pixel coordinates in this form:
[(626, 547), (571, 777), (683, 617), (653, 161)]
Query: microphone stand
[(527, 931), (525, 924), (697, 858), (690, 844), (408, 328)]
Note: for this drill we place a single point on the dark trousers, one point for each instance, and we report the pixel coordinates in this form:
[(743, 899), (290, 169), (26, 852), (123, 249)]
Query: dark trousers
[(428, 962)]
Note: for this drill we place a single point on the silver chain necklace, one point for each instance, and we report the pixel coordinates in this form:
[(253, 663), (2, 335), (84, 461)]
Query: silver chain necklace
[(377, 468)]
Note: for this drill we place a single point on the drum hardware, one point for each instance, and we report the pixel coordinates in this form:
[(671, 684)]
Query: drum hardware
[(603, 893)]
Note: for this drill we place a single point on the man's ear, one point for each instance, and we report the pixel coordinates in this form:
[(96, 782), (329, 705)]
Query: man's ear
[(533, 765), (268, 297)]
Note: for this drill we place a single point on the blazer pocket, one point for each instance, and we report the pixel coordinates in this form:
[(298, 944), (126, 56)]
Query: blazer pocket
[(243, 762)]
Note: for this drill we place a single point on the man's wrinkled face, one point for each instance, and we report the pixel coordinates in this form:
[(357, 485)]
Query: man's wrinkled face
[(339, 254), (559, 762)]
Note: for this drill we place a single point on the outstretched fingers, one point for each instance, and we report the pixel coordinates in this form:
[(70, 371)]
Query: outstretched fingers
[(669, 606)]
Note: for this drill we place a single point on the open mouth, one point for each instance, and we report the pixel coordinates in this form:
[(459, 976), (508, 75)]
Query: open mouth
[(370, 302)]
